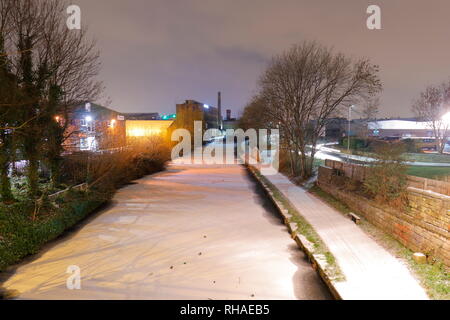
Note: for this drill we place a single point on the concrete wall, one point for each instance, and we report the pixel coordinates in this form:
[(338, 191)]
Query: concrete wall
[(424, 227)]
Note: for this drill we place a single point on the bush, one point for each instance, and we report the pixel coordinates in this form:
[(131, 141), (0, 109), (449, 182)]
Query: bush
[(410, 146), (386, 179), (23, 232), (355, 143), (20, 235), (112, 170)]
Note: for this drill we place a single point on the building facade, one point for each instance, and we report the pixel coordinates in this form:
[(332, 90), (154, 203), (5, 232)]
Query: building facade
[(93, 127), (147, 128), (141, 125)]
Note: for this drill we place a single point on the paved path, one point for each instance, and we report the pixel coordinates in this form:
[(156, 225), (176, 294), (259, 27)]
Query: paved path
[(192, 232), (371, 272)]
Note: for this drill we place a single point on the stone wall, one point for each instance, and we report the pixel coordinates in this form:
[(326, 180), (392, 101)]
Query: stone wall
[(423, 227)]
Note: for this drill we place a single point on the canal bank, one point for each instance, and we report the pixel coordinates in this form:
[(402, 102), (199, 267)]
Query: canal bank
[(192, 232)]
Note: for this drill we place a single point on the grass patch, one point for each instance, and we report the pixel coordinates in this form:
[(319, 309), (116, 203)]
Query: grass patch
[(410, 157), (305, 229), (20, 235), (428, 172), (427, 157), (26, 225), (433, 277)]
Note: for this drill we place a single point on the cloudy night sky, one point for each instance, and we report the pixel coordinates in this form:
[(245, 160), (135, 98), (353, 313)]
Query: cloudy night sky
[(157, 53)]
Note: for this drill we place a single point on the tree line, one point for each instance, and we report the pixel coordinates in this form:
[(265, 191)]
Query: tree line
[(300, 91), (44, 69), (433, 106), (306, 86)]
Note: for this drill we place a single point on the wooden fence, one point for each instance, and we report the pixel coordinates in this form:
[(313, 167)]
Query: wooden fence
[(80, 187), (437, 186), (358, 172)]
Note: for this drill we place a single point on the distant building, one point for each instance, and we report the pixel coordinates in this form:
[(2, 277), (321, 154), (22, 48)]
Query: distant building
[(336, 128), (191, 111), (142, 116), (93, 127), (140, 125), (400, 128), (229, 122), (150, 124), (147, 128)]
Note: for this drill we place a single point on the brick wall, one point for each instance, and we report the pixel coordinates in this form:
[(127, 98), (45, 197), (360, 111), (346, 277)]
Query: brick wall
[(424, 227)]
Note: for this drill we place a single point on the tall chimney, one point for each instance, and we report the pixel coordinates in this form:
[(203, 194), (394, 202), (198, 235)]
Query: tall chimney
[(219, 111)]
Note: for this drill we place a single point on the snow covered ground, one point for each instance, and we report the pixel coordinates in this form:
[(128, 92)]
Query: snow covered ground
[(192, 232)]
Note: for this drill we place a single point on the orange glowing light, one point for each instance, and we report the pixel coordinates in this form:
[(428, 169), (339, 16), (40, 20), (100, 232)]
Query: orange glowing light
[(146, 128)]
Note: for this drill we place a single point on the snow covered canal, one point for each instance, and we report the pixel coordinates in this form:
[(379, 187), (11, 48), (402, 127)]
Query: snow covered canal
[(191, 232)]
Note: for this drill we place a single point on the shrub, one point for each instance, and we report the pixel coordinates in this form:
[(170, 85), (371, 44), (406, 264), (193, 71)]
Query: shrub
[(355, 143), (410, 146), (112, 170), (23, 231), (386, 179), (21, 236)]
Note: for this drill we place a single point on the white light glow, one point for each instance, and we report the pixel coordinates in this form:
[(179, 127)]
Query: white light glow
[(205, 106), (446, 118), (88, 118)]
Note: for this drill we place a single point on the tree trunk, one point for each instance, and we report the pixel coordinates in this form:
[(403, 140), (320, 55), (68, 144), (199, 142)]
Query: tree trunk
[(5, 182), (441, 145), (55, 172), (5, 187), (32, 155)]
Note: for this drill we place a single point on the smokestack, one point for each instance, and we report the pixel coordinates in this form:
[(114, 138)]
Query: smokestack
[(219, 111)]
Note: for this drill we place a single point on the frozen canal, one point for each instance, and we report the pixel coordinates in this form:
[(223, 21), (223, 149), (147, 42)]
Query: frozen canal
[(192, 232)]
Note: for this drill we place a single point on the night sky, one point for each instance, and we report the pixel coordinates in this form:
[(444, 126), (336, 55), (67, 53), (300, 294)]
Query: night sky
[(156, 53)]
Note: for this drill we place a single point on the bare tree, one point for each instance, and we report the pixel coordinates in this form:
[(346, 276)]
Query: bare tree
[(307, 85), (9, 96), (368, 113), (255, 116), (55, 67), (433, 106)]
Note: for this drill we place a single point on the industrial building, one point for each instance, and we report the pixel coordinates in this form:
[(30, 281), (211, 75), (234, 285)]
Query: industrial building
[(93, 127)]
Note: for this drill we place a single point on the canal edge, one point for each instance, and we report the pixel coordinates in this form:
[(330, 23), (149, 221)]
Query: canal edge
[(318, 262)]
